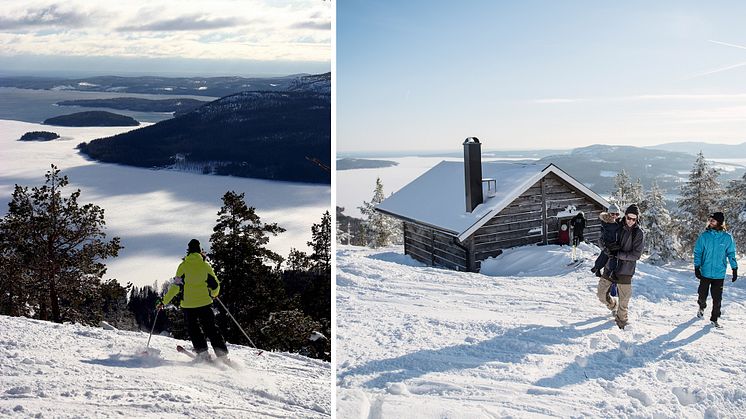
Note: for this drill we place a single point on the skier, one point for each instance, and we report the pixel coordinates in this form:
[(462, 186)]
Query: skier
[(578, 225), (197, 283), (610, 227), (631, 245), (712, 251)]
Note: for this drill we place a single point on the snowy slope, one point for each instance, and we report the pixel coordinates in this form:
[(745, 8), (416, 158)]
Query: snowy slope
[(155, 212), (529, 339), (53, 370)]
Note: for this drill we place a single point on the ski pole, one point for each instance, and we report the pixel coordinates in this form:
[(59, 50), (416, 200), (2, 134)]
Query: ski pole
[(151, 330), (235, 321)]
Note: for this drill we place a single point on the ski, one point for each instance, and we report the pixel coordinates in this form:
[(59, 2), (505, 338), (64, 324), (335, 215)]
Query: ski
[(214, 361), (575, 263), (186, 352)]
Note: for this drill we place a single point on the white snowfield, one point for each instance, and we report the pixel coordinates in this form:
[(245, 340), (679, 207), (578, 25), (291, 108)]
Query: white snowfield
[(155, 212), (529, 339), (61, 371)]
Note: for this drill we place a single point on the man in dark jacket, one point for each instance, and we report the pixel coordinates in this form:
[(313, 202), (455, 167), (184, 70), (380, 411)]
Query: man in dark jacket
[(714, 248), (631, 244), (578, 225)]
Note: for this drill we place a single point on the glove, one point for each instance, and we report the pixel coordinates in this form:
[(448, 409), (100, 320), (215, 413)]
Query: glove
[(697, 272), (159, 303), (735, 275), (614, 247)]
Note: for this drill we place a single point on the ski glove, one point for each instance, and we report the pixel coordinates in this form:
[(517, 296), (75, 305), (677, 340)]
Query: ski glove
[(735, 275), (159, 303), (697, 272)]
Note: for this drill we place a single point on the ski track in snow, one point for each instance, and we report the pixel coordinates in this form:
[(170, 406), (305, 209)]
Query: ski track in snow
[(54, 370), (530, 340)]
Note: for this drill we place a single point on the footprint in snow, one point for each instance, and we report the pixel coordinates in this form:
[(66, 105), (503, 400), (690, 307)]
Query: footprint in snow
[(640, 395), (686, 396), (397, 388), (581, 361)]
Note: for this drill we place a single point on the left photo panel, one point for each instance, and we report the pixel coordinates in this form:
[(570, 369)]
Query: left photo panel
[(165, 208)]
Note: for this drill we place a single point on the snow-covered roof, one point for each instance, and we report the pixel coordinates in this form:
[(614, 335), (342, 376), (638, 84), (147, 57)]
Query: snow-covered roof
[(437, 197)]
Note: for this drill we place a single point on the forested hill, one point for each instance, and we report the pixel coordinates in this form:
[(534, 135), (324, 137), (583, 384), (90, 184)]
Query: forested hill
[(201, 86), (266, 135)]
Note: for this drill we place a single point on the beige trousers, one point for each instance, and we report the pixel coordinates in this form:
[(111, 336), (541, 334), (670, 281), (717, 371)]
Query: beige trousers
[(624, 292)]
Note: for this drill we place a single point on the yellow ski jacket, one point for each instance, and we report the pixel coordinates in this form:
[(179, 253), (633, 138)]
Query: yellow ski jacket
[(198, 281)]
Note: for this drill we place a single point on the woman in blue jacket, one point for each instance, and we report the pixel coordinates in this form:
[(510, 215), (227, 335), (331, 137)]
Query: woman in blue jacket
[(714, 248)]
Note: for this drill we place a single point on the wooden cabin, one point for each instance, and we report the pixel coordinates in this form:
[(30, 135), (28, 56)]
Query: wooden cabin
[(506, 205)]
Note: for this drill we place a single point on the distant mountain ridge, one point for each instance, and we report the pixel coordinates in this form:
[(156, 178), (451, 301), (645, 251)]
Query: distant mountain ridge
[(201, 86), (597, 165), (265, 135), (709, 150)]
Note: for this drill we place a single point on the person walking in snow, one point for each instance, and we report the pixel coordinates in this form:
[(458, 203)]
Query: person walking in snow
[(631, 244), (197, 284), (611, 225), (712, 251), (578, 225)]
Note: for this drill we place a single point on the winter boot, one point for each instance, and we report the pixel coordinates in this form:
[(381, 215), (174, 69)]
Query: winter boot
[(701, 313), (225, 360), (621, 324), (202, 357), (716, 324)]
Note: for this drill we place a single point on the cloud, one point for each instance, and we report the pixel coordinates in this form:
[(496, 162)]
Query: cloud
[(646, 98), (53, 15), (556, 100), (257, 30), (185, 23), (319, 26)]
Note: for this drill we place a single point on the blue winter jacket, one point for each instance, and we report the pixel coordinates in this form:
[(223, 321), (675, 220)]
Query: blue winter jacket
[(712, 251)]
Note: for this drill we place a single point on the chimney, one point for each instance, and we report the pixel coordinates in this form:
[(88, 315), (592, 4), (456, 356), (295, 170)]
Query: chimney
[(473, 172)]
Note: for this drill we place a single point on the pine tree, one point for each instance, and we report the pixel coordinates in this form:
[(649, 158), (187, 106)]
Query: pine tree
[(733, 206), (379, 228), (623, 194), (661, 241), (298, 260), (321, 243), (55, 247), (699, 198), (251, 287)]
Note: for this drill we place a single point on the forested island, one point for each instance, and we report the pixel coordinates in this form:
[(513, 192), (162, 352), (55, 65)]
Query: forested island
[(39, 136), (179, 105), (92, 119)]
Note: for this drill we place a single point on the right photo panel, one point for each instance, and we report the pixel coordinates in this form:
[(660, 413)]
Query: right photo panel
[(541, 209)]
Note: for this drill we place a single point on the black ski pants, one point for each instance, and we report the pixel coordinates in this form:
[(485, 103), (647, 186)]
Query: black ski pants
[(204, 317), (715, 288)]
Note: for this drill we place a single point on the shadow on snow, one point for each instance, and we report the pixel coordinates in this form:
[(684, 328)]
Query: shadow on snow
[(514, 345)]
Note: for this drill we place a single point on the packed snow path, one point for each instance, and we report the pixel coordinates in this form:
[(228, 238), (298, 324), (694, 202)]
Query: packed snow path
[(55, 370), (529, 339)]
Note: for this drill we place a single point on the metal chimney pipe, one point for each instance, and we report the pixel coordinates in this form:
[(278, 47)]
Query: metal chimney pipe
[(473, 173)]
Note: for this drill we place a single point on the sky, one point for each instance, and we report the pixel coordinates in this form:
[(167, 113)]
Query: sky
[(423, 76), (188, 37)]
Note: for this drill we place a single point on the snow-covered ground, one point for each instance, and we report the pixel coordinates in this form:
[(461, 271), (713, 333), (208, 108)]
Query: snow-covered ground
[(155, 212), (61, 371), (529, 339)]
